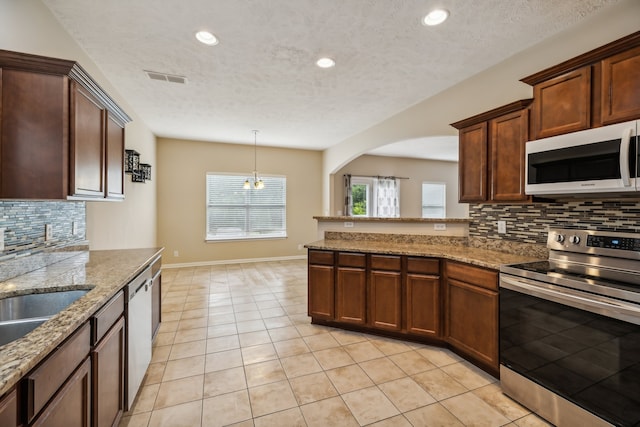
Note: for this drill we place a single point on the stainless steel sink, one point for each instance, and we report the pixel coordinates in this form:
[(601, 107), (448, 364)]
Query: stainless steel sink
[(20, 315)]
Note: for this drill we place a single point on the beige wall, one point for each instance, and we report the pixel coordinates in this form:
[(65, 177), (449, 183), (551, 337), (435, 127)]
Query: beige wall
[(182, 167), (492, 88), (28, 26), (416, 170)]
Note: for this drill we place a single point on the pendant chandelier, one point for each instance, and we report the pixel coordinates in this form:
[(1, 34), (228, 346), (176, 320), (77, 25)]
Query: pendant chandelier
[(257, 182)]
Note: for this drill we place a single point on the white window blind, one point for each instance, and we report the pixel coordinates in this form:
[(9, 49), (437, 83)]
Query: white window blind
[(234, 213), (434, 199)]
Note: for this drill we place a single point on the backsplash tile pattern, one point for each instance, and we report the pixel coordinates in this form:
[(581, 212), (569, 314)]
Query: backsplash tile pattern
[(24, 224), (529, 223)]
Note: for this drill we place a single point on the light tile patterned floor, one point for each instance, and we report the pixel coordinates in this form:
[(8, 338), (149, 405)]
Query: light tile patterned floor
[(237, 348)]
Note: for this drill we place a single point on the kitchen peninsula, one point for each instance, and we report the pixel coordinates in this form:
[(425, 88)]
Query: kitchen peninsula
[(52, 375), (421, 226), (435, 289)]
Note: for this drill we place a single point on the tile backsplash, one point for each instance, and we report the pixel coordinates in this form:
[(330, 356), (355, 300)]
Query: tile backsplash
[(24, 225), (529, 223)]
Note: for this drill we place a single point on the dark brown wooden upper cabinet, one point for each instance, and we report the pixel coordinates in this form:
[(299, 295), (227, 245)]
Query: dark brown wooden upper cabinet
[(621, 87), (62, 136), (491, 154), (597, 88), (562, 104), (472, 154)]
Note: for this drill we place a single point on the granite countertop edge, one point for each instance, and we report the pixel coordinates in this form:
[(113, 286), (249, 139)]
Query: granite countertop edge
[(105, 272), (486, 258), (401, 219)]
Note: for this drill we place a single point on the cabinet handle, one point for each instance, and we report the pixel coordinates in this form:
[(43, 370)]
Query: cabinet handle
[(624, 157)]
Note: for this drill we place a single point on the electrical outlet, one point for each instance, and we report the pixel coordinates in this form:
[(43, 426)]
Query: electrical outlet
[(300, 247), (74, 228), (348, 224), (439, 227), (48, 232), (176, 254), (2, 239), (502, 227)]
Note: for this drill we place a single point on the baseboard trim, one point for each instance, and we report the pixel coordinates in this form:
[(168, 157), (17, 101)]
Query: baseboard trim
[(232, 261)]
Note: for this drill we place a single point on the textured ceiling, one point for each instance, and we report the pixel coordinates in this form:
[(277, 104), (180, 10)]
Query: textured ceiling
[(262, 74)]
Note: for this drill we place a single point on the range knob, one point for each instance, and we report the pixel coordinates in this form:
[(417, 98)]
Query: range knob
[(574, 239), (559, 238)]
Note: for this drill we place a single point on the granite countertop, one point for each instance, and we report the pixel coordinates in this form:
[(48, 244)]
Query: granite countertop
[(104, 272), (400, 219), (456, 252)]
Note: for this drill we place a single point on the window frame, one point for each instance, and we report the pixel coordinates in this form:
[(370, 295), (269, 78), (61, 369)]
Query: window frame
[(368, 183), (245, 233)]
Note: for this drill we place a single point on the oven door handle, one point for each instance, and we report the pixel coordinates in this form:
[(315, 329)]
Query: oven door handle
[(595, 304)]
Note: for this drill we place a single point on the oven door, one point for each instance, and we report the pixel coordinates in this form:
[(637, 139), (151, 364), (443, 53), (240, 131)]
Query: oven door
[(579, 346), (600, 160)]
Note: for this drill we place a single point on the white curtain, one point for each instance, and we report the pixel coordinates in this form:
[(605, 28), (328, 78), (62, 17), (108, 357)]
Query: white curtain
[(386, 191), (348, 198)]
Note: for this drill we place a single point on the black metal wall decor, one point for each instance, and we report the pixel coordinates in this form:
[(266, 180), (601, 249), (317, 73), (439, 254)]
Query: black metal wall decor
[(140, 172)]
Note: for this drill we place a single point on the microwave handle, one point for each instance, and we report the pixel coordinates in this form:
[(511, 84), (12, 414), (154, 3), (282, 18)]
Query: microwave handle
[(624, 157)]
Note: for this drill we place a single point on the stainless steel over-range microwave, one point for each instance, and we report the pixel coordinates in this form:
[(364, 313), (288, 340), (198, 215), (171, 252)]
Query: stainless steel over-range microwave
[(603, 161)]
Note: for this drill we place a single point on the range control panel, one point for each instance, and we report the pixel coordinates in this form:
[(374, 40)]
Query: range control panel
[(609, 243)]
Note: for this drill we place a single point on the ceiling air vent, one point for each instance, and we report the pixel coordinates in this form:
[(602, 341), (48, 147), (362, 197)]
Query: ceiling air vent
[(154, 75)]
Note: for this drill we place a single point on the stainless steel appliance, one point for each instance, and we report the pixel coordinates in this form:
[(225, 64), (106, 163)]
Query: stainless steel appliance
[(589, 162), (138, 332), (570, 330)]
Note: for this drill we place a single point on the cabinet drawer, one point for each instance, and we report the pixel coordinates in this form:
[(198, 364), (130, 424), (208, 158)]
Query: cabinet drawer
[(156, 266), (386, 262), (43, 382), (484, 278), (346, 259), (423, 265), (321, 257), (102, 321)]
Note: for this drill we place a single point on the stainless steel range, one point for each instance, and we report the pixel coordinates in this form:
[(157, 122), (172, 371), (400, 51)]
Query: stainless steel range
[(570, 330)]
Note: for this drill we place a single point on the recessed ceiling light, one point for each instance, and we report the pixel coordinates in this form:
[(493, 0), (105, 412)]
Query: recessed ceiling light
[(435, 17), (325, 63), (207, 38)]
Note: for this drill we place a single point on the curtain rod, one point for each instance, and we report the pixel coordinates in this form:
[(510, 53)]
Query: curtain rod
[(377, 176)]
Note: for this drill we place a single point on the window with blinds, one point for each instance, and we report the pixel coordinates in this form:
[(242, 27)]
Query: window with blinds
[(234, 213), (434, 199)]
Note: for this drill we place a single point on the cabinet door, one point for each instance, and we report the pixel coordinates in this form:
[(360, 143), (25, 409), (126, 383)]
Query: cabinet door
[(9, 409), (351, 295), (508, 136), (71, 405), (472, 321), (87, 144), (473, 163), (321, 292), (563, 104), (386, 300), (423, 305), (34, 163), (115, 160), (621, 87), (108, 377)]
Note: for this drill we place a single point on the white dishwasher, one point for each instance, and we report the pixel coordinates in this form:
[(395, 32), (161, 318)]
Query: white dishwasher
[(138, 332)]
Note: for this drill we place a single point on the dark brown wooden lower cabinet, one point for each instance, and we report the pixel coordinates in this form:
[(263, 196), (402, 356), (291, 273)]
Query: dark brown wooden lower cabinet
[(321, 291), (351, 295), (108, 377), (9, 410), (472, 321), (71, 404), (423, 305), (386, 300)]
